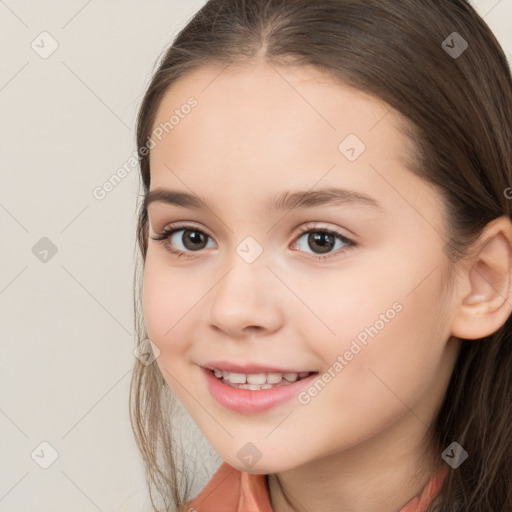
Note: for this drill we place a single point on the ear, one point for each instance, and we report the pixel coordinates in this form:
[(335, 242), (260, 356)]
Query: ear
[(484, 289)]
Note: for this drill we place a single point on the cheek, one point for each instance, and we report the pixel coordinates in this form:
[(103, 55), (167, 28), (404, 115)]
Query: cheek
[(342, 307), (169, 299), (390, 333), (391, 351), (168, 303), (388, 302)]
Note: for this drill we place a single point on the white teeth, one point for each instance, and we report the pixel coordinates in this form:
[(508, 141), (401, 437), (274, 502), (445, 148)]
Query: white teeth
[(237, 378), (274, 378), (259, 379), (254, 378)]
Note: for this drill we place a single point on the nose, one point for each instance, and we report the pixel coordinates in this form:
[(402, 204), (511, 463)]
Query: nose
[(246, 301)]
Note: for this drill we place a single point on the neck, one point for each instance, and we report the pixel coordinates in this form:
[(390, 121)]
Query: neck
[(382, 474)]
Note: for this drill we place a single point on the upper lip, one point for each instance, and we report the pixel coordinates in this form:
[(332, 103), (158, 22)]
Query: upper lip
[(249, 368)]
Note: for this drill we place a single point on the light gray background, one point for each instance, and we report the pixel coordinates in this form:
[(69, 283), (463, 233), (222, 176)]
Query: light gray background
[(67, 124)]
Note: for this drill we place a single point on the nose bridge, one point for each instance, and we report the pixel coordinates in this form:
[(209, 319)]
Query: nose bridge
[(242, 298), (246, 265)]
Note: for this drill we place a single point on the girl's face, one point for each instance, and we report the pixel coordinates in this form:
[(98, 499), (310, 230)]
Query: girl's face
[(366, 307)]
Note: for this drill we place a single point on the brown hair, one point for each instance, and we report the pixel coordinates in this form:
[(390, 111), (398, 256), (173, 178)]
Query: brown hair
[(460, 112)]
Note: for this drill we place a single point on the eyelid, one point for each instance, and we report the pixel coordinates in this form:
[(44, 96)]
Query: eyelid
[(165, 233), (308, 226), (312, 227), (176, 226)]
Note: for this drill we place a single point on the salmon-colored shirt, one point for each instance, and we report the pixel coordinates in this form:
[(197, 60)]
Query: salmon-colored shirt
[(230, 490)]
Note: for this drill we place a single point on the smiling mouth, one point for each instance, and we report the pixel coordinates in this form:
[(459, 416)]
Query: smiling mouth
[(257, 381)]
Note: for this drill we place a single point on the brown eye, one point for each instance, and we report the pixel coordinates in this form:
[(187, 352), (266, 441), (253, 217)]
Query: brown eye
[(183, 241), (193, 240), (322, 241)]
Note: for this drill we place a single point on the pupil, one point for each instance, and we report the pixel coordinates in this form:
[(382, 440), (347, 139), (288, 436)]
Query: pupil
[(195, 236), (325, 241)]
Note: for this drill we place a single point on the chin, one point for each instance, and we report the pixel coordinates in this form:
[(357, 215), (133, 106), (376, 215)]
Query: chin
[(261, 467)]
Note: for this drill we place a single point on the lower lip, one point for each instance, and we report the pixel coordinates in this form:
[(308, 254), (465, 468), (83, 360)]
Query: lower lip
[(250, 401)]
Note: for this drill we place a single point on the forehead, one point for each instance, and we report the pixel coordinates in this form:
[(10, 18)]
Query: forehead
[(252, 106), (259, 126)]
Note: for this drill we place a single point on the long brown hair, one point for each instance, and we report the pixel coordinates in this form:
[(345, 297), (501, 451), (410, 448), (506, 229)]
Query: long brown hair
[(460, 110)]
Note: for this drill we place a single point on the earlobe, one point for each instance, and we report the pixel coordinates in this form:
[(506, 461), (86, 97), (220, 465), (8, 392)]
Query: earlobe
[(488, 276)]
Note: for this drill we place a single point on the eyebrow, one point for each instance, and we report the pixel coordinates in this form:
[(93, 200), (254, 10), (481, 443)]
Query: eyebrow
[(283, 201)]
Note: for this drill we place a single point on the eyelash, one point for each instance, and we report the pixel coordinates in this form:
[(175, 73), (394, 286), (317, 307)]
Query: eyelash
[(164, 235)]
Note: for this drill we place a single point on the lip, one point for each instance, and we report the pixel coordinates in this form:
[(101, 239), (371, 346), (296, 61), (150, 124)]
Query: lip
[(249, 401), (248, 368)]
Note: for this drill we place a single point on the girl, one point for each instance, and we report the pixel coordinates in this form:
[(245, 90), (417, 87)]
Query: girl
[(326, 242)]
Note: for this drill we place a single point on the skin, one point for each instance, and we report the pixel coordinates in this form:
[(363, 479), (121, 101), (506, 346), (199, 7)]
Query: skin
[(259, 130)]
